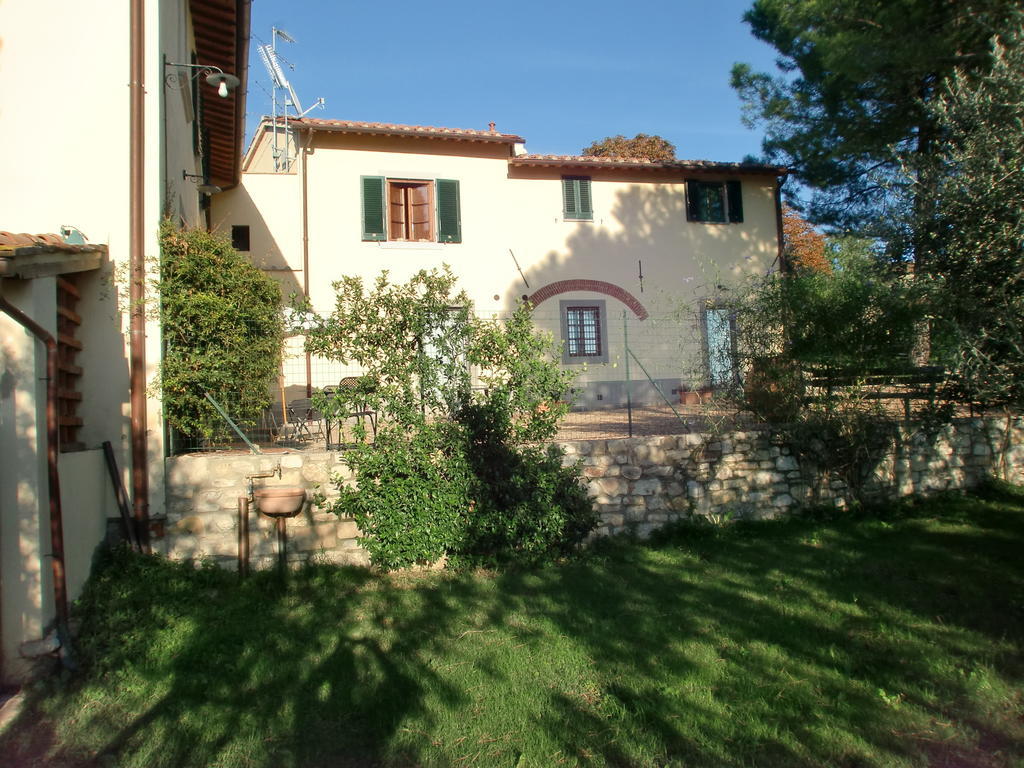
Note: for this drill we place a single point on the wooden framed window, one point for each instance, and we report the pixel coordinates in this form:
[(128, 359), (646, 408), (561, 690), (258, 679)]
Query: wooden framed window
[(584, 331), (714, 201), (411, 210)]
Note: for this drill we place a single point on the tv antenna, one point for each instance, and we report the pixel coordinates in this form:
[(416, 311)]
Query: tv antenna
[(283, 99)]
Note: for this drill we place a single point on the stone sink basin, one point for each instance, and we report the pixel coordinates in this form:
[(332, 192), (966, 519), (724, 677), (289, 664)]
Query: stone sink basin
[(280, 501)]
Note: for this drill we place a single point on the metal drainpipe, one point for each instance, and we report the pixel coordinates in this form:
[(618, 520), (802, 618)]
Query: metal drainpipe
[(137, 267), (60, 588), (783, 265), (305, 247)]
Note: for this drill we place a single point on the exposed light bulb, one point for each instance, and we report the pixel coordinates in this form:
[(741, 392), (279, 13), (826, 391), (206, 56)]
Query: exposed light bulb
[(222, 89)]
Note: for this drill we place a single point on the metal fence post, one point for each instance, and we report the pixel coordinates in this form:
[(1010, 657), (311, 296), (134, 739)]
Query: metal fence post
[(629, 383)]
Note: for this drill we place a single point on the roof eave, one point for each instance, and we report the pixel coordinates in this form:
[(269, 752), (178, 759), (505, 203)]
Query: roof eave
[(222, 40), (500, 138), (32, 261), (741, 168)]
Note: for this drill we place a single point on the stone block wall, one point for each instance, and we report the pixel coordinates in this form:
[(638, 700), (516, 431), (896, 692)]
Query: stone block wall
[(202, 509), (637, 485)]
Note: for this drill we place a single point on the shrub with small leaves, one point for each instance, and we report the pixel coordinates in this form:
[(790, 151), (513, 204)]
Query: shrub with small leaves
[(456, 469), (222, 329), (413, 492)]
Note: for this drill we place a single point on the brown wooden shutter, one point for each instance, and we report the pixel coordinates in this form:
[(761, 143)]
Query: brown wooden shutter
[(396, 212), (422, 224)]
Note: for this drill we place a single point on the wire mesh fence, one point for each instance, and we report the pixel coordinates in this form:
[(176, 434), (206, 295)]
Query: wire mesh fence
[(634, 376), (658, 374)]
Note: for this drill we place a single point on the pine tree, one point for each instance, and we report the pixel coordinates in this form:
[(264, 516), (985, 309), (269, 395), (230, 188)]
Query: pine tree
[(851, 102)]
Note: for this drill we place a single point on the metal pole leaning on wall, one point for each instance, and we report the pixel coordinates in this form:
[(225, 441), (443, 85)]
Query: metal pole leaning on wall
[(629, 383), (231, 423), (657, 387)]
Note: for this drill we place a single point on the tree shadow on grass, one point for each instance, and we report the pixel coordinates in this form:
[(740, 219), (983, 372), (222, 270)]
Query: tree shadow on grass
[(794, 643), (320, 671)]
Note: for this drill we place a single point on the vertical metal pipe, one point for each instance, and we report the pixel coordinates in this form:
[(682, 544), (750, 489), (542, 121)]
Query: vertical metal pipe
[(282, 546), (629, 382), (60, 588), (243, 536), (306, 148), (305, 245), (137, 269), (781, 257)]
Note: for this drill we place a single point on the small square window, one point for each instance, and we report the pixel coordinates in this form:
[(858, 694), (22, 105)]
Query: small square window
[(240, 237), (584, 332)]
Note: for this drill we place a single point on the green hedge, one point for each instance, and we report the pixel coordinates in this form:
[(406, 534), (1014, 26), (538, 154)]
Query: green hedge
[(222, 331)]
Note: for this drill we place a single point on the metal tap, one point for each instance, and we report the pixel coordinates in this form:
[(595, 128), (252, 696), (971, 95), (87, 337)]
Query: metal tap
[(275, 471)]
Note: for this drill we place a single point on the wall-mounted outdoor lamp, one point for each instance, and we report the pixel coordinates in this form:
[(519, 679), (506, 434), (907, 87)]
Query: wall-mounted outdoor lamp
[(215, 76), (202, 183)]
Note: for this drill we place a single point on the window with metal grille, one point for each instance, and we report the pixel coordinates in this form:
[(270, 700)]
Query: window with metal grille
[(583, 331)]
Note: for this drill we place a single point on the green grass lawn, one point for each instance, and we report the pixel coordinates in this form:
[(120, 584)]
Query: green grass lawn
[(887, 640)]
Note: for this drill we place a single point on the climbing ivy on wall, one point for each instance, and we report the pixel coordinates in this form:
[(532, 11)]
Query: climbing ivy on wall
[(222, 328)]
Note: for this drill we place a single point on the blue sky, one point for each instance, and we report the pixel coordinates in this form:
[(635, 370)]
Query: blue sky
[(559, 74)]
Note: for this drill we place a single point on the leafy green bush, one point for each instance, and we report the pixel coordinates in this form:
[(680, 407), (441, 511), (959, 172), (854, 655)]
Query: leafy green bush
[(222, 329), (526, 507), (455, 469), (412, 495), (847, 439), (859, 319), (863, 314)]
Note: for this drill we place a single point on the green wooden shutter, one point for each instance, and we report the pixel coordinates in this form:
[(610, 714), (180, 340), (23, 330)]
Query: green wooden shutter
[(576, 198), (568, 198), (586, 209), (734, 192), (692, 201), (373, 208), (449, 218)]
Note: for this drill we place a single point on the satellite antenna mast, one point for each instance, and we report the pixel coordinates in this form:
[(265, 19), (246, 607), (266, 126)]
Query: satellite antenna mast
[(283, 144)]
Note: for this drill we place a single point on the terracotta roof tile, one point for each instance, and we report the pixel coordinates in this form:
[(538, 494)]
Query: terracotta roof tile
[(23, 238), (635, 162), (22, 243), (394, 129)]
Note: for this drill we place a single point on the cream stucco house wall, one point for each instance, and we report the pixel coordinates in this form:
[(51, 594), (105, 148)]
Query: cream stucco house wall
[(594, 243), (66, 75)]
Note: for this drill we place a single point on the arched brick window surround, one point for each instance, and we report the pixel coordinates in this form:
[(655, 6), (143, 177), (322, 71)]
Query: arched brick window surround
[(596, 286)]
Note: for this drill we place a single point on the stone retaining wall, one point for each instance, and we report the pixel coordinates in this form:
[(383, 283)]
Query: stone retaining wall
[(640, 484), (202, 509), (637, 485)]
